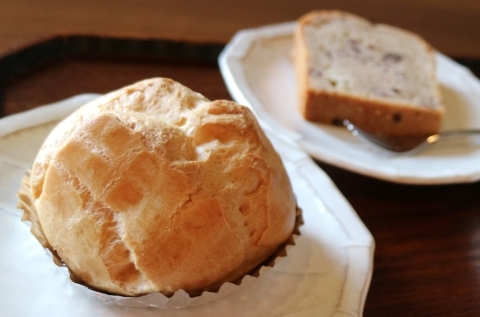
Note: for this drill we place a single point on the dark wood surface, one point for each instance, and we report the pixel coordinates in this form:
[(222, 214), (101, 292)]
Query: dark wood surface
[(427, 257)]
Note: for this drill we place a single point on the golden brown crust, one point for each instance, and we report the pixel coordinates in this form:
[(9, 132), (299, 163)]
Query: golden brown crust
[(153, 188), (372, 114), (300, 58)]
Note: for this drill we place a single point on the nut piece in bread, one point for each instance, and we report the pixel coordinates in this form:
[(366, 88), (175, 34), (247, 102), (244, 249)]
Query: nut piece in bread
[(377, 76), (154, 188)]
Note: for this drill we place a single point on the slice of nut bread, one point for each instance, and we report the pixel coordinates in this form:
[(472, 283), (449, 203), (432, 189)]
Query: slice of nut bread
[(379, 77)]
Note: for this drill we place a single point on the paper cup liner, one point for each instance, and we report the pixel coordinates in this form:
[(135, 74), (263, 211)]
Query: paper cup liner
[(179, 299)]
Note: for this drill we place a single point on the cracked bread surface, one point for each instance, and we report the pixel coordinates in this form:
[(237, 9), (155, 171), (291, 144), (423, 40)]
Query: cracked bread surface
[(379, 77), (154, 188)]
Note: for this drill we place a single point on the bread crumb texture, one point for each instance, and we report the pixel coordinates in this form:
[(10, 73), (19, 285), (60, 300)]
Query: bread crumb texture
[(380, 77), (154, 188)]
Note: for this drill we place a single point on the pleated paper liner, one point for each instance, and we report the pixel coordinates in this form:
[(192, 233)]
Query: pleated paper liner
[(180, 298)]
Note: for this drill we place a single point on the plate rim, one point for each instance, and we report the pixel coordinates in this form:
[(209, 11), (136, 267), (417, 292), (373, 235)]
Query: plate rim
[(231, 67), (344, 213)]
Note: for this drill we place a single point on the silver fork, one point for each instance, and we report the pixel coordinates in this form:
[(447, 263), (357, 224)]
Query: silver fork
[(405, 144)]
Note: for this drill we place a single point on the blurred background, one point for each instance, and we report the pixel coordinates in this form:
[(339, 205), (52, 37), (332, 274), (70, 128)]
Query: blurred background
[(452, 27), (449, 25)]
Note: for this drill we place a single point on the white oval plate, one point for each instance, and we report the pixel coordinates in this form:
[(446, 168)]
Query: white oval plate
[(327, 273), (257, 68)]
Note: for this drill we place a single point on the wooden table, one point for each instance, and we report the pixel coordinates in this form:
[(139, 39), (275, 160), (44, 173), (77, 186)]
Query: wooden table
[(427, 258)]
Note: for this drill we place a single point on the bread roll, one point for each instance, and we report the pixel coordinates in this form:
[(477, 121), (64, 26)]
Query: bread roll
[(154, 188), (379, 77)]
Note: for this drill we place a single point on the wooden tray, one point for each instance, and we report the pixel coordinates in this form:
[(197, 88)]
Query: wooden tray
[(62, 66), (59, 67)]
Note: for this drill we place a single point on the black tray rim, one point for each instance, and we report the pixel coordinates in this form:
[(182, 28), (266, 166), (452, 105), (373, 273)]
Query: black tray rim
[(48, 50)]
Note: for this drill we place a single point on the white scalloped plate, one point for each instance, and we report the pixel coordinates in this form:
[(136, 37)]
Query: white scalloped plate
[(326, 274), (257, 68)]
